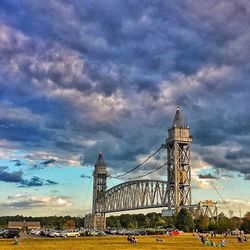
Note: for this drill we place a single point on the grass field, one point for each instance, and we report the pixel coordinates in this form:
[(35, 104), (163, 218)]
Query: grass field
[(116, 243)]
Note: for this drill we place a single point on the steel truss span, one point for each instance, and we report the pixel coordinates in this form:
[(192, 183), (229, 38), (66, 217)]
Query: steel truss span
[(132, 195)]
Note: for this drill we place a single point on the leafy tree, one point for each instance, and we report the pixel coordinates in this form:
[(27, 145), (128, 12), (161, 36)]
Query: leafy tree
[(246, 222), (184, 220), (213, 226), (69, 224), (133, 225), (140, 219), (170, 221), (235, 222), (125, 219), (160, 222), (224, 223), (247, 216), (202, 223), (154, 218), (147, 222)]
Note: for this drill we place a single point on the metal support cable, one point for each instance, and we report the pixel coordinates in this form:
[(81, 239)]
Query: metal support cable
[(139, 165), (148, 173), (224, 202), (165, 160), (153, 171)]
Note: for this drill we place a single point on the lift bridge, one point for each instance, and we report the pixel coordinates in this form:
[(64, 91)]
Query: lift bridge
[(172, 194)]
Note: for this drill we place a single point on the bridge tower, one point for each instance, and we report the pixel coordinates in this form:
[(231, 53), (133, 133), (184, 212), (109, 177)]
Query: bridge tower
[(178, 163), (99, 187)]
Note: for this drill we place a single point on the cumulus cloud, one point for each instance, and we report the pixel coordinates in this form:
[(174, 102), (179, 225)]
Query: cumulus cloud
[(40, 159), (25, 201), (201, 183), (234, 204)]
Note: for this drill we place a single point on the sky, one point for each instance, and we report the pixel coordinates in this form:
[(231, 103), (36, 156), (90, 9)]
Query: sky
[(82, 77)]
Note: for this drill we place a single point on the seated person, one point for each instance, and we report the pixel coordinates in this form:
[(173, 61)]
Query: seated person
[(222, 243), (202, 237), (239, 239), (17, 241), (209, 243), (134, 240)]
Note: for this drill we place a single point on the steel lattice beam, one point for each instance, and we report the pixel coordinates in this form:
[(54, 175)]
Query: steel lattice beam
[(132, 195)]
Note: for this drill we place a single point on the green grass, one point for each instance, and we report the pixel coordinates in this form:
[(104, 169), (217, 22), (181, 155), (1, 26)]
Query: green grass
[(116, 243)]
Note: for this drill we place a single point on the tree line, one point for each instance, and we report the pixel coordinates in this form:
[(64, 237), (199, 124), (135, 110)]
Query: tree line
[(183, 221)]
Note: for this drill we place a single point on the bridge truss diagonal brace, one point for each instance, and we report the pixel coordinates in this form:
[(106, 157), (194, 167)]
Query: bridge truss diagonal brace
[(132, 195)]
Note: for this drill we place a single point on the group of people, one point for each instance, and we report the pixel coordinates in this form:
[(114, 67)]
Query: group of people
[(197, 234), (242, 239), (205, 241), (208, 242)]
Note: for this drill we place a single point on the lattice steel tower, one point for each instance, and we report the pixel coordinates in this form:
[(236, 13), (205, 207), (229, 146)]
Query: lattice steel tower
[(179, 170), (99, 187)]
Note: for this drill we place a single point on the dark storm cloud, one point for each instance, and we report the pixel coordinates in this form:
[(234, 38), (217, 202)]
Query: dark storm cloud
[(24, 133), (36, 182), (207, 176), (44, 164), (50, 182), (17, 177), (7, 176), (106, 76), (239, 154), (18, 163), (85, 176), (48, 162), (33, 182)]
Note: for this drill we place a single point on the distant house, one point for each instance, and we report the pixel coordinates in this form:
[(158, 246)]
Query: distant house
[(24, 224)]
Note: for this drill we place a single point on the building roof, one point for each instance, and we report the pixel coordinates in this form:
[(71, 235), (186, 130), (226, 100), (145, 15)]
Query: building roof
[(178, 119), (15, 224), (100, 160)]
